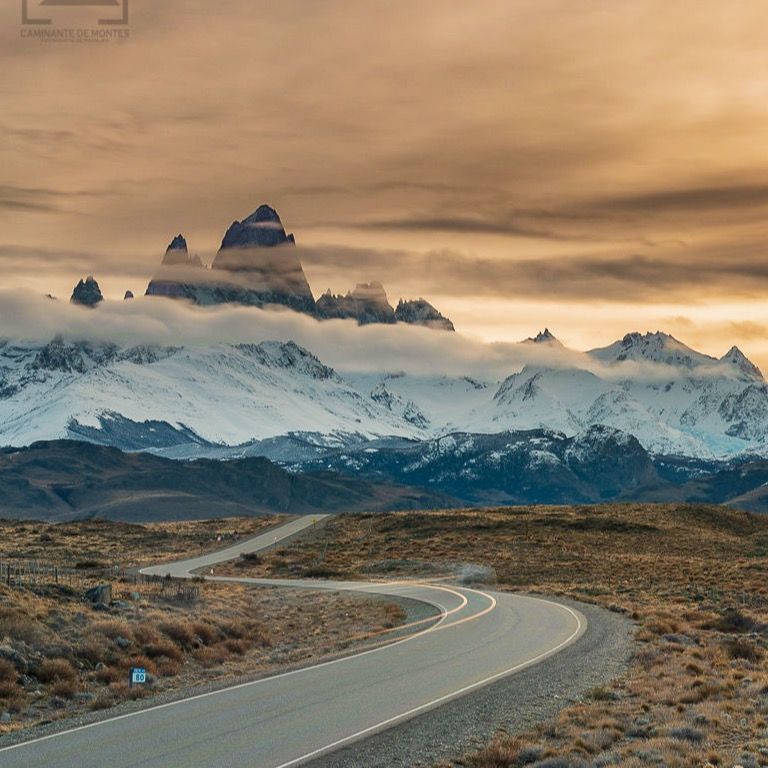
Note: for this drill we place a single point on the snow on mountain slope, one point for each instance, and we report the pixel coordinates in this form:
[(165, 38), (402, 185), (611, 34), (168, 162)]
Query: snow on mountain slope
[(652, 347), (673, 399), (443, 401), (224, 394)]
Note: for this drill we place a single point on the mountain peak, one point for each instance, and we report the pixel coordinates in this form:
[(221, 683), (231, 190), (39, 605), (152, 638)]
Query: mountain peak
[(656, 338), (264, 214), (87, 293), (262, 229), (178, 244), (657, 347), (421, 312), (176, 254), (543, 337), (735, 357), (373, 291)]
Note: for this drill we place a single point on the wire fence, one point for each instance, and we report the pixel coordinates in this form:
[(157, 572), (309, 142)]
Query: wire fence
[(28, 573), (23, 574)]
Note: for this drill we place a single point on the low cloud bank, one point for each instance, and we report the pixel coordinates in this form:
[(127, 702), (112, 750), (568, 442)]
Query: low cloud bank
[(28, 317)]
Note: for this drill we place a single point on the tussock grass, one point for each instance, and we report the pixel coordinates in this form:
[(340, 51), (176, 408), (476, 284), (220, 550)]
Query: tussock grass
[(76, 658), (695, 578)]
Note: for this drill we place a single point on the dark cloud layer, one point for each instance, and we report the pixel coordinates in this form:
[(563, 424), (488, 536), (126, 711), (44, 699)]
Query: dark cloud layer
[(534, 151), (636, 277)]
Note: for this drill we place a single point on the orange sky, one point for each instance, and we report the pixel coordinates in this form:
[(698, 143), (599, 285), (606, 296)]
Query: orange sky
[(596, 167)]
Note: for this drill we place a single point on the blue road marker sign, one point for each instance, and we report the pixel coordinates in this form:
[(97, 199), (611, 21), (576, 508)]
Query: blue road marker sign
[(138, 676)]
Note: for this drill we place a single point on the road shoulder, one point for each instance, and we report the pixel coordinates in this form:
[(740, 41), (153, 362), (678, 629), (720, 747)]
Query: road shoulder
[(514, 703)]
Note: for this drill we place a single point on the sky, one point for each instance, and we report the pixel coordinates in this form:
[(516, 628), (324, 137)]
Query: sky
[(594, 167)]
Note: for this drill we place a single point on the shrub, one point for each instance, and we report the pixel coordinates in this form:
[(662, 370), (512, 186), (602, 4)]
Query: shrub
[(503, 752), (206, 632), (17, 625), (168, 667), (55, 670), (741, 649), (66, 689), (145, 634), (90, 651), (211, 657), (237, 647), (113, 629), (181, 634), (8, 689), (163, 649), (8, 671), (110, 675), (137, 661), (686, 733), (733, 621), (103, 700)]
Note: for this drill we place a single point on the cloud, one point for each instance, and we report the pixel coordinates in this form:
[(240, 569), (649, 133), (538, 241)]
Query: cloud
[(18, 198), (621, 278), (470, 225), (691, 199), (749, 330), (26, 317), (523, 151)]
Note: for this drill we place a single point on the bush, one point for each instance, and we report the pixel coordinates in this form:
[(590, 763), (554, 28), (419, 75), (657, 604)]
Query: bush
[(206, 632), (17, 625), (8, 672), (211, 657), (741, 649), (181, 634), (686, 733), (66, 689), (733, 621), (163, 649), (113, 629), (8, 689), (237, 647), (55, 670), (90, 651), (110, 675)]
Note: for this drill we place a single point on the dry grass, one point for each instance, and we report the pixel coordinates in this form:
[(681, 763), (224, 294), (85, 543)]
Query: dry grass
[(59, 656), (90, 545), (695, 578)]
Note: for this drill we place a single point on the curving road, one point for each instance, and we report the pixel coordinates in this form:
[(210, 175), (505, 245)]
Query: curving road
[(288, 719)]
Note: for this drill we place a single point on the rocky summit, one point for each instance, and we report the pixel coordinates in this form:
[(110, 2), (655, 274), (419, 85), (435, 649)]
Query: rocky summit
[(256, 265), (421, 312), (367, 303), (262, 229), (87, 293), (177, 254)]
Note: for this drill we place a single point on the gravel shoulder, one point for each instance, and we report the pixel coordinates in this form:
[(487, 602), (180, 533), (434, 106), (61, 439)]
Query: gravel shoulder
[(514, 703)]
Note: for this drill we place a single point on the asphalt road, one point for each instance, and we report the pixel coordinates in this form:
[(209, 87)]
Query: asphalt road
[(289, 719)]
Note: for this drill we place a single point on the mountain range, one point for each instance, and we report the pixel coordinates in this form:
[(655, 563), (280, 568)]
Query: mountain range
[(646, 417), (674, 400)]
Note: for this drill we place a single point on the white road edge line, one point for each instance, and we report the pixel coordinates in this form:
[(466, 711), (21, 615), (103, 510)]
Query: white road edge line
[(446, 697)]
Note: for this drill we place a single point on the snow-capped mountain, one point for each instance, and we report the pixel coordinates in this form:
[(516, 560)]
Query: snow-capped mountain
[(194, 399), (218, 394)]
